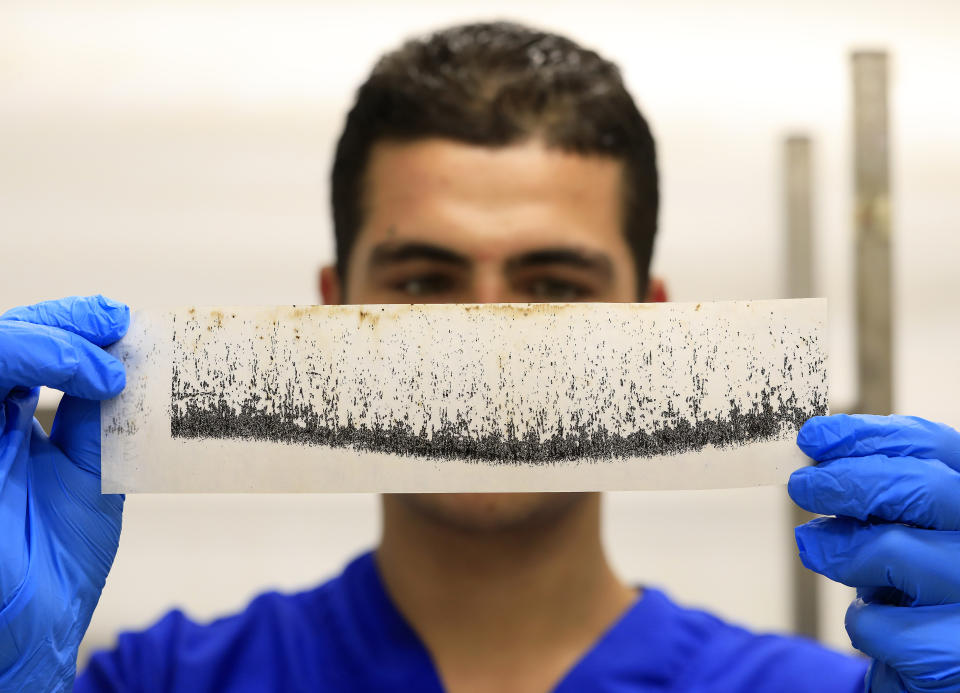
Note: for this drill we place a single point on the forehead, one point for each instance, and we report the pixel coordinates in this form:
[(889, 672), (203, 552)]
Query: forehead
[(492, 199)]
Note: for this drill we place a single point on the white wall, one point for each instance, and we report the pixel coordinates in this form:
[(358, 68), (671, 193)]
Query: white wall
[(165, 153)]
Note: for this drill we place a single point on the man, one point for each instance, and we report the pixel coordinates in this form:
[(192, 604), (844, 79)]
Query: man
[(483, 163)]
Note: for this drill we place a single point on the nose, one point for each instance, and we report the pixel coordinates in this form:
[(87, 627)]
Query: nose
[(489, 285)]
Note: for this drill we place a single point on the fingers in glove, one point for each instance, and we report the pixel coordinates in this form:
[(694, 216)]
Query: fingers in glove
[(830, 437), (97, 319), (920, 563), (919, 642), (76, 431), (33, 355), (910, 490), (882, 678)]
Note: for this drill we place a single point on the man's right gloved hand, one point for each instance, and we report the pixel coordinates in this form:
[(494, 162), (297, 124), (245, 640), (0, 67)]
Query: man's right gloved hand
[(58, 534)]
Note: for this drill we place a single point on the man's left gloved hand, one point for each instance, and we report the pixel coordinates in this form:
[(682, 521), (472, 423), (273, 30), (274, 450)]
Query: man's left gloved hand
[(893, 483)]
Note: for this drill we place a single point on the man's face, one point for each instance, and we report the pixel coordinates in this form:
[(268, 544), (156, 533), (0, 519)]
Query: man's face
[(447, 222)]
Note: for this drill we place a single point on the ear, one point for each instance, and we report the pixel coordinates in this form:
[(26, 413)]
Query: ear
[(656, 291), (329, 284)]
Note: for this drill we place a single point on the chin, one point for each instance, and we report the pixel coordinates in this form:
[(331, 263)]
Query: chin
[(492, 512)]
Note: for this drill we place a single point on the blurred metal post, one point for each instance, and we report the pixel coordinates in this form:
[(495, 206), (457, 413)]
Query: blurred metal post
[(797, 185), (872, 219)]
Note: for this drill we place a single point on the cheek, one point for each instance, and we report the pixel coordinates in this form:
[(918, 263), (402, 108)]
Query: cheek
[(626, 284), (357, 286)]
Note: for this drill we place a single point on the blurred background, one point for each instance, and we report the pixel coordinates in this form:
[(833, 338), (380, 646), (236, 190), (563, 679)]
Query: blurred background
[(165, 153)]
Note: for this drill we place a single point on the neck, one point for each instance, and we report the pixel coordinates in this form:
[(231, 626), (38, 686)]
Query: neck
[(503, 608)]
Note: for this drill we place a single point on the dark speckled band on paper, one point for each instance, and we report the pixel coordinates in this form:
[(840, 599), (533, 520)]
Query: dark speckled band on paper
[(500, 384)]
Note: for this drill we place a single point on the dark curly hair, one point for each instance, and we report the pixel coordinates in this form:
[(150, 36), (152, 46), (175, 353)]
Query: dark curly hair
[(494, 84)]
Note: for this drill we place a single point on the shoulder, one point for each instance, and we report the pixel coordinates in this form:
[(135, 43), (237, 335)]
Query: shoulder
[(726, 657), (259, 648), (322, 639)]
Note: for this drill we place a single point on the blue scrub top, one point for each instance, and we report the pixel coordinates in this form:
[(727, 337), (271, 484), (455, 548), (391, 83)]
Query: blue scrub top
[(346, 635)]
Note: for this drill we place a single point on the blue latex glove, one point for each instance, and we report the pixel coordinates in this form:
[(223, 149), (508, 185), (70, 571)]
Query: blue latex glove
[(58, 534), (894, 485)]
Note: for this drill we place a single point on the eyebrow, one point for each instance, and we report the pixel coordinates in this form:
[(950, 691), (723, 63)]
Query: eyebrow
[(597, 263), (395, 253), (390, 253)]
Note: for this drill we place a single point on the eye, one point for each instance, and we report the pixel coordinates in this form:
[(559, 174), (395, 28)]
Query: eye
[(424, 285), (549, 289)]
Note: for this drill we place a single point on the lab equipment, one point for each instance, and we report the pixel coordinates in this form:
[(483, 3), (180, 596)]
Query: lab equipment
[(465, 398)]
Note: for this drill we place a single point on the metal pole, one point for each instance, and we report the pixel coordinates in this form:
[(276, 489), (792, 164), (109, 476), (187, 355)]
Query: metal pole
[(872, 219), (797, 177), (799, 263)]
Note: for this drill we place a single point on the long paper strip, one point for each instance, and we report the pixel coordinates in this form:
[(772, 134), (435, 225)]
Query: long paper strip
[(505, 397)]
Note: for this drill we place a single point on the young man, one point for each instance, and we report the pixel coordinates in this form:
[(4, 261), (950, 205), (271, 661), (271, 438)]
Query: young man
[(483, 163)]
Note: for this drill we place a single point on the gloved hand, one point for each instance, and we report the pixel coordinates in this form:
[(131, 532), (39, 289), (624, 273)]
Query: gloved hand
[(894, 485), (58, 534)]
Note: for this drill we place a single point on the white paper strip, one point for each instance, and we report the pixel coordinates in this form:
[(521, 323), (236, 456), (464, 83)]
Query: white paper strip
[(504, 397)]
